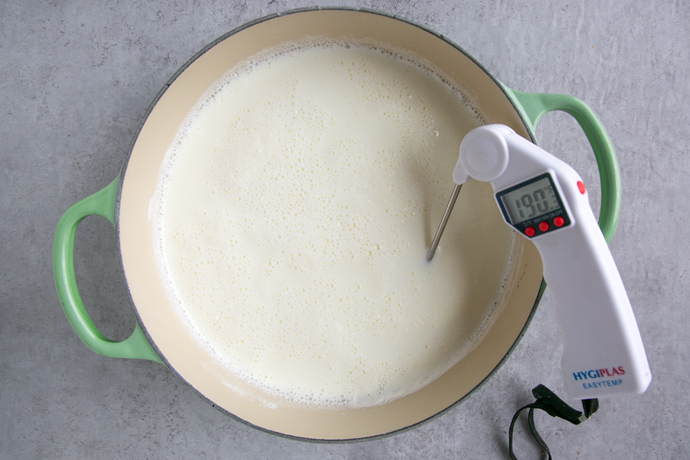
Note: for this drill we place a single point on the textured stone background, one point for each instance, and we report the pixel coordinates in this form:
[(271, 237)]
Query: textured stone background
[(76, 79)]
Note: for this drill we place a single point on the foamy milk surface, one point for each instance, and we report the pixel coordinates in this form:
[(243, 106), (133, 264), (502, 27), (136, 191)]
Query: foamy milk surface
[(293, 214)]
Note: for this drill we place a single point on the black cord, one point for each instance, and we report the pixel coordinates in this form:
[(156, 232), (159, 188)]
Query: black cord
[(555, 407)]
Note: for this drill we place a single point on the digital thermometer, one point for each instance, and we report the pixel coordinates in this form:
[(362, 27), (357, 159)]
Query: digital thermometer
[(545, 200)]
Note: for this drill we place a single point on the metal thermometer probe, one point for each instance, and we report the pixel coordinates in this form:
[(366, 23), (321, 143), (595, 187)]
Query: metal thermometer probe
[(545, 200)]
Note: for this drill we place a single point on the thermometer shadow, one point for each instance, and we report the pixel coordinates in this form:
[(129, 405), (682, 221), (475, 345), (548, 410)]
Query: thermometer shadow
[(418, 179)]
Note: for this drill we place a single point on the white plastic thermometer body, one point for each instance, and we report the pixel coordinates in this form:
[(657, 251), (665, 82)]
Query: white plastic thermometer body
[(545, 200)]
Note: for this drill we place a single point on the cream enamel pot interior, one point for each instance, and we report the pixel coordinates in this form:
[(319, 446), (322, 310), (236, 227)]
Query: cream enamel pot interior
[(160, 334)]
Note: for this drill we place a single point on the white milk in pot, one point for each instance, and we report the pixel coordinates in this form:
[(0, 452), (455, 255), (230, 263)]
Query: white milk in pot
[(293, 214)]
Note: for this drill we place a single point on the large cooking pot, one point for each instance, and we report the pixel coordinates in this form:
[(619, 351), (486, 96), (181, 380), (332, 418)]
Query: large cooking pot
[(161, 335)]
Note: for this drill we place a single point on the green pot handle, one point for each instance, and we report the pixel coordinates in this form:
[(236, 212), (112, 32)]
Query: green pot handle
[(102, 203), (533, 106)]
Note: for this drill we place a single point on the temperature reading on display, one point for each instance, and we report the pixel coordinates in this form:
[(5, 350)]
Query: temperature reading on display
[(531, 200), (535, 202)]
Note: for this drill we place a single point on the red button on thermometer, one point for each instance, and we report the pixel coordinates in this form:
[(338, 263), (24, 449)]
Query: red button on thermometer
[(544, 199)]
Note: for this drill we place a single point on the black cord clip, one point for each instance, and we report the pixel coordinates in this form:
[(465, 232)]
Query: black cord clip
[(555, 407)]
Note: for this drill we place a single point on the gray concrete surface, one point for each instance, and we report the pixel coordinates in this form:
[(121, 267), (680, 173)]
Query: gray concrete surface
[(76, 79)]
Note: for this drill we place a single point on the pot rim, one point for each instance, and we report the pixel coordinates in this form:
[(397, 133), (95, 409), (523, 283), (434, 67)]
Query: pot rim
[(154, 103)]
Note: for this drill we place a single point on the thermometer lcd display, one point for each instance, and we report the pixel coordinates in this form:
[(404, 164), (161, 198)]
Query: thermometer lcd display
[(531, 200)]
